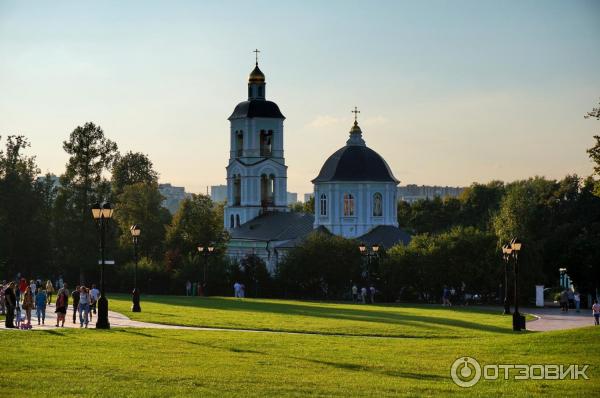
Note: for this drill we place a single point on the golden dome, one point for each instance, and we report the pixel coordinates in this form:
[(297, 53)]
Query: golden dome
[(355, 128), (256, 76)]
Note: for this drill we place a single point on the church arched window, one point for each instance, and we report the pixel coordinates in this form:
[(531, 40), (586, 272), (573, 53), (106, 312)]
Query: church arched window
[(377, 205), (237, 190), (237, 220), (239, 143), (231, 222), (266, 143), (348, 205), (267, 189), (323, 205)]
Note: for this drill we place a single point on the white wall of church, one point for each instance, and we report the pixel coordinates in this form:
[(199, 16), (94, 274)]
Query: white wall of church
[(363, 218)]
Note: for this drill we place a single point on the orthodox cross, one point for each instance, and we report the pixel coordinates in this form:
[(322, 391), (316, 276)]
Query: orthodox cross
[(356, 112), (256, 54)]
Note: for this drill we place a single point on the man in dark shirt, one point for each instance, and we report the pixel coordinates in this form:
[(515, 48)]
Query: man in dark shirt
[(75, 296), (11, 302)]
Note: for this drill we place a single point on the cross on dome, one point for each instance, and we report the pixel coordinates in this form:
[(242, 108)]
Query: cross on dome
[(256, 51), (356, 112)]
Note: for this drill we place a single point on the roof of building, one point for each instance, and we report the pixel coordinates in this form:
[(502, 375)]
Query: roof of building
[(256, 76), (386, 236), (276, 226), (256, 108), (355, 163)]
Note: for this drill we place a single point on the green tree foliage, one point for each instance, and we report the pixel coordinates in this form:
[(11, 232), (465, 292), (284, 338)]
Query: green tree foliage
[(82, 184), (132, 168), (460, 257), (323, 266), (594, 152), (254, 275), (140, 203), (23, 226), (196, 222)]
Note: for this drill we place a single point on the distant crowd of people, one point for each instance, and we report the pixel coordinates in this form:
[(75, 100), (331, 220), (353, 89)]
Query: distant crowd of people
[(570, 299), (363, 295), (19, 298)]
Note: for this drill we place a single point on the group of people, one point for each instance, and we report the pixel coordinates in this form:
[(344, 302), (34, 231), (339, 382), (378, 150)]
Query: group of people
[(569, 299), (364, 295), (18, 299)]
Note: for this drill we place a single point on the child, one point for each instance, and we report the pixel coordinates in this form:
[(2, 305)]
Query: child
[(596, 312)]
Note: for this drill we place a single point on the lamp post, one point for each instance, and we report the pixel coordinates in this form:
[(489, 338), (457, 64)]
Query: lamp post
[(506, 254), (136, 231), (368, 254), (563, 277), (102, 214), (205, 251), (518, 323)]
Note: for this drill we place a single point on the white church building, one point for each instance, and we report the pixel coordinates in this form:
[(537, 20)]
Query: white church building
[(355, 191)]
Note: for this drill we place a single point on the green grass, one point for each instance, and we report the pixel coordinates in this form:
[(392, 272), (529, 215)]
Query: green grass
[(158, 363), (184, 363), (316, 317)]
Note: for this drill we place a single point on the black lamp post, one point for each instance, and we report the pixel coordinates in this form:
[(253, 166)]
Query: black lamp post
[(368, 254), (102, 214), (518, 321), (506, 254), (205, 251), (135, 295)]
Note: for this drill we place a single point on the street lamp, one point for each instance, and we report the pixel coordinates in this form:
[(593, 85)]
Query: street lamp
[(506, 254), (364, 250), (102, 213), (518, 320), (205, 251), (136, 231)]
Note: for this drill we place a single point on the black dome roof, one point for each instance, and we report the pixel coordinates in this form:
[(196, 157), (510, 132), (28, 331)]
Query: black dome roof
[(355, 163), (256, 108)]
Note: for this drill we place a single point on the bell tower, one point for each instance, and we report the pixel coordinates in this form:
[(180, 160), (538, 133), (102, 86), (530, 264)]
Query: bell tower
[(256, 173)]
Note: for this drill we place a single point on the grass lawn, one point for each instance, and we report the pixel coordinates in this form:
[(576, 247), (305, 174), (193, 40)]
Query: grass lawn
[(316, 317), (181, 363)]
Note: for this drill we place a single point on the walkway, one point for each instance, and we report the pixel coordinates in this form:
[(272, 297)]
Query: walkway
[(547, 319)]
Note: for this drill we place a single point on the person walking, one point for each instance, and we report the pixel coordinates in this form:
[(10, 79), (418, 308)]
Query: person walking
[(22, 288), (84, 306), (75, 297), (571, 298), (49, 291), (28, 304), (363, 295), (94, 296), (10, 300), (354, 293), (188, 288), (3, 287), (372, 294), (577, 299), (596, 312), (62, 301), (33, 287), (564, 301), (41, 301), (236, 290)]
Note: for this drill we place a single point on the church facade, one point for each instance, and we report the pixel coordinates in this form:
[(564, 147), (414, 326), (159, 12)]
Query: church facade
[(355, 191)]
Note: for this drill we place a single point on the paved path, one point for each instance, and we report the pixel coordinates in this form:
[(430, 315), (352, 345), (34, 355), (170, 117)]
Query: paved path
[(547, 319), (555, 319)]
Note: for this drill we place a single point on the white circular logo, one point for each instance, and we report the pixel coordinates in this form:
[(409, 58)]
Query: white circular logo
[(465, 372)]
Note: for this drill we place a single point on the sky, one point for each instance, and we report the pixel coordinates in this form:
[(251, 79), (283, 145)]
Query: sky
[(450, 92)]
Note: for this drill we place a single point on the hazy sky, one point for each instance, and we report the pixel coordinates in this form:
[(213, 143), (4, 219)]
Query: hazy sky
[(450, 92)]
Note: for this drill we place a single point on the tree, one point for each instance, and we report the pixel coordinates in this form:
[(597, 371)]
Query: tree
[(256, 277), (196, 222), (594, 152), (322, 266), (23, 244), (140, 204), (132, 168), (82, 184)]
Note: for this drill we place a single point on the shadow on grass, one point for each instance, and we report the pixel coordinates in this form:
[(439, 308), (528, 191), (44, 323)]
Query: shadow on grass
[(378, 315), (362, 368)]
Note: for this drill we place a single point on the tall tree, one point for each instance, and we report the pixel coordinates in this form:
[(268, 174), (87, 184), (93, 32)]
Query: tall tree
[(594, 152), (132, 168), (82, 184), (23, 245)]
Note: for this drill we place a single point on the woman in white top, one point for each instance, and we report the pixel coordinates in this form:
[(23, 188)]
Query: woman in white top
[(84, 306)]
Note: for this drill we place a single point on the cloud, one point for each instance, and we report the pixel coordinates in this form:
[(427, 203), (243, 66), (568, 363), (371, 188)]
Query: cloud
[(322, 121)]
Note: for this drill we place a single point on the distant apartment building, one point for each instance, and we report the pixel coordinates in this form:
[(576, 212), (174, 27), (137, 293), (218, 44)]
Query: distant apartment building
[(292, 198), (218, 193), (173, 196), (412, 192), (55, 180), (308, 197)]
